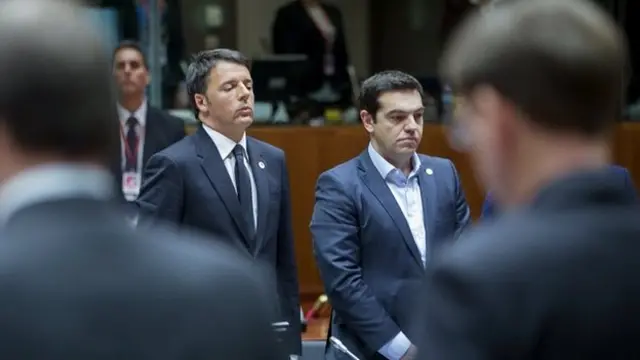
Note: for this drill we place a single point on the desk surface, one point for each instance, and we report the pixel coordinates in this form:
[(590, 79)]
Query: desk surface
[(317, 329)]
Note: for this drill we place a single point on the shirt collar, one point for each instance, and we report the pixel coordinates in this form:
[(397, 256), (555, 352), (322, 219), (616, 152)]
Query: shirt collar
[(140, 114), (387, 170), (224, 144), (52, 182)]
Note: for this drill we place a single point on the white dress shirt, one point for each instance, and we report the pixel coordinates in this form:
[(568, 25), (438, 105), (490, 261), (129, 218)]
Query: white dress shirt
[(141, 115), (406, 191), (225, 148)]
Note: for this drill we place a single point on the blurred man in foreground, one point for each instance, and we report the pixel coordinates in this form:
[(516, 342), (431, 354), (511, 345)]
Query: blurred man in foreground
[(76, 281), (558, 276)]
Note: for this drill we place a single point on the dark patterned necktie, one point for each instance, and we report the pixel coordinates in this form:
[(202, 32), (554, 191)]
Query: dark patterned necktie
[(243, 186), (132, 143)]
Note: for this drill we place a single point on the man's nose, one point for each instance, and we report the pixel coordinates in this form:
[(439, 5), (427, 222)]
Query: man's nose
[(243, 91), (411, 125)]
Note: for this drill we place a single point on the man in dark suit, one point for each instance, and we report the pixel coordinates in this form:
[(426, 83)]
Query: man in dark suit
[(378, 220), (316, 29), (77, 281), (225, 183), (558, 276), (144, 129), (489, 206)]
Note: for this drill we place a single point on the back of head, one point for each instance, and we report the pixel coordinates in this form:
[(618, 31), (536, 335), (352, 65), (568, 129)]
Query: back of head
[(561, 62), (56, 98)]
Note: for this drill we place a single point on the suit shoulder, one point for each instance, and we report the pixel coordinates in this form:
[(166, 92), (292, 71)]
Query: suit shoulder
[(435, 160), (268, 148), (344, 172), (180, 151), (438, 164)]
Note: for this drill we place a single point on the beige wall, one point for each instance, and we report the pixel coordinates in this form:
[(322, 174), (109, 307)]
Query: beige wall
[(255, 18)]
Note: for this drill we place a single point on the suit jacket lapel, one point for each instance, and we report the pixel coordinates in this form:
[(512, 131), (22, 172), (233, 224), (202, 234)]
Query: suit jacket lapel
[(260, 168), (429, 203), (378, 187), (213, 166)]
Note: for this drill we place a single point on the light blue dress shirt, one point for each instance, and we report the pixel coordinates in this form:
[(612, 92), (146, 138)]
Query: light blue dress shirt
[(406, 191)]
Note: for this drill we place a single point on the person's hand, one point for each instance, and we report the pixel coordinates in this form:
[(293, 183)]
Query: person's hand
[(411, 354)]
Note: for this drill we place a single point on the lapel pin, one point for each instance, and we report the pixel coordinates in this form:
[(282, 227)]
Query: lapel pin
[(261, 165), (429, 171)]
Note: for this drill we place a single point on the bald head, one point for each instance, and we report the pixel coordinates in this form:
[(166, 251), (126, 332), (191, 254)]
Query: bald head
[(55, 91), (561, 62)]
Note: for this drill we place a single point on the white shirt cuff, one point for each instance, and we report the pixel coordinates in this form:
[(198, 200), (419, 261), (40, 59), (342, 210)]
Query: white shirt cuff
[(396, 348)]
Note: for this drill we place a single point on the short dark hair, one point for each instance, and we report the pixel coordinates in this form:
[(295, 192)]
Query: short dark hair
[(200, 68), (377, 84), (562, 63), (56, 93), (131, 45)]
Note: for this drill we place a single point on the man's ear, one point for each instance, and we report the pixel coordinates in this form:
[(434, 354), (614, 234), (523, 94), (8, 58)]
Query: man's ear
[(201, 102), (367, 120)]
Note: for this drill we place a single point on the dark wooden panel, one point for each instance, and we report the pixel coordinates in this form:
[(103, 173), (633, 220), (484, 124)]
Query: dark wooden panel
[(310, 151)]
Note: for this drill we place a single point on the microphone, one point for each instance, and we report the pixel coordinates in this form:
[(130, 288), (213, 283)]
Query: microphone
[(322, 299), (342, 348)]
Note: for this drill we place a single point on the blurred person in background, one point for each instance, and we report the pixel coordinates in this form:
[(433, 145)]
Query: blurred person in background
[(144, 129), (133, 23), (225, 183), (172, 44), (77, 281), (557, 275), (380, 218), (316, 29)]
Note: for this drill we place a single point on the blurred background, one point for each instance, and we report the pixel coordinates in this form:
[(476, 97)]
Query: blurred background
[(288, 42)]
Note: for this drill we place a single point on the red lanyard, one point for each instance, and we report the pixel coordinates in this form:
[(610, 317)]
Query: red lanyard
[(131, 153)]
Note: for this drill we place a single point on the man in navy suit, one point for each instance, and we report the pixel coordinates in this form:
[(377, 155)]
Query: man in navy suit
[(489, 205), (225, 183), (379, 218)]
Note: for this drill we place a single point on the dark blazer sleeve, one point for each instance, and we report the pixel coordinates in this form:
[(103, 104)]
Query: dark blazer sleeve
[(161, 194), (463, 214), (286, 268), (336, 244)]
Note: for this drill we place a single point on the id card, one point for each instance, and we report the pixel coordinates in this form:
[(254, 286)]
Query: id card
[(131, 185)]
